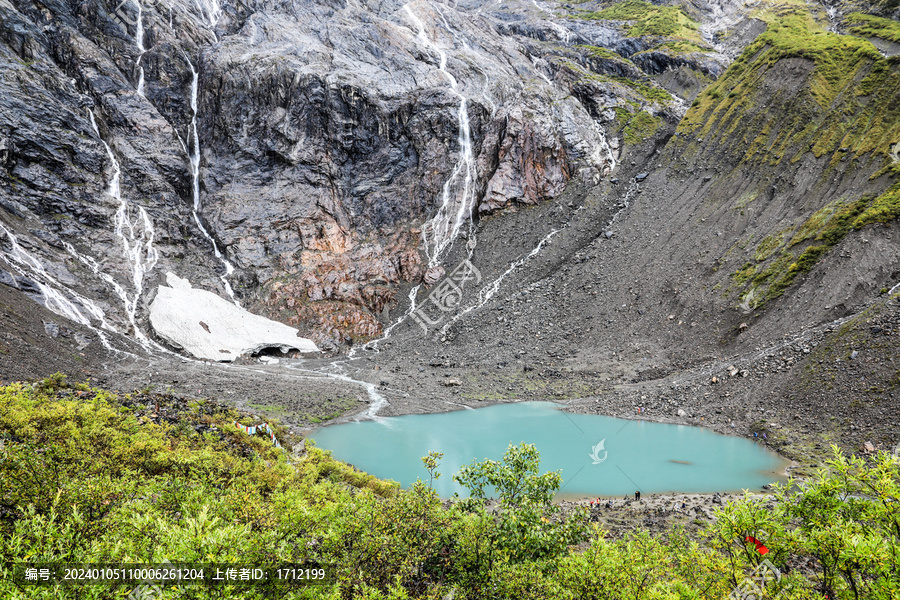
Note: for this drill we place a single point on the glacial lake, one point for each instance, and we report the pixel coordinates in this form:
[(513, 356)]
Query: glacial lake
[(598, 456)]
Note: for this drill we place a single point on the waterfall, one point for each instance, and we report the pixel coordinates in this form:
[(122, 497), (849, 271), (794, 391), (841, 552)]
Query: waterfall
[(603, 152), (488, 291), (55, 293), (210, 10), (136, 237), (458, 194), (195, 180), (373, 344), (441, 231), (834, 17), (139, 40)]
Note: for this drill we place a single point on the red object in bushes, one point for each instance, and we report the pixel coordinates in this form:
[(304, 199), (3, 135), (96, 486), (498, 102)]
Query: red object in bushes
[(759, 545)]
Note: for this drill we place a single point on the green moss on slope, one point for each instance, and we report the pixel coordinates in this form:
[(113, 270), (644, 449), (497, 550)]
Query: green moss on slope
[(650, 20), (825, 229), (871, 26), (884, 209), (601, 52), (640, 127), (851, 100), (765, 112)]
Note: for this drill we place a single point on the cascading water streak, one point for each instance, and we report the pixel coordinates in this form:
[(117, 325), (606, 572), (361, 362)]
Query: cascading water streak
[(210, 10), (458, 193), (373, 345), (441, 231), (137, 241), (376, 400), (488, 291), (834, 17), (195, 181), (54, 292)]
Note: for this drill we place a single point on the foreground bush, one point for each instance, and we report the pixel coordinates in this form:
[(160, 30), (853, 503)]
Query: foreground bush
[(86, 477)]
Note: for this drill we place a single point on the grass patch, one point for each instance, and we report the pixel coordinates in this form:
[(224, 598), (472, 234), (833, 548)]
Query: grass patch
[(825, 228), (648, 19), (871, 26), (745, 199), (682, 47), (744, 274), (852, 98), (601, 52), (641, 127), (884, 209), (331, 409), (769, 244)]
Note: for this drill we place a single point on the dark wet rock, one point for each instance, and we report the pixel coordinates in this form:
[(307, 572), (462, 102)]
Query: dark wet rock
[(7, 279), (56, 330)]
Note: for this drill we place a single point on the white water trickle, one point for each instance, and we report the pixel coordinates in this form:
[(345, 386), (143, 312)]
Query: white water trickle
[(52, 290), (211, 10), (28, 266), (626, 201), (541, 8), (458, 194), (723, 16), (96, 268), (139, 40), (136, 237), (373, 345), (603, 152), (376, 400), (488, 291), (194, 157), (834, 16)]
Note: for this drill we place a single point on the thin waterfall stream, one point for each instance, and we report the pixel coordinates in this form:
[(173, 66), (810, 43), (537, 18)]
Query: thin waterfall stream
[(442, 230), (136, 236), (195, 182), (455, 210), (458, 193), (55, 293)]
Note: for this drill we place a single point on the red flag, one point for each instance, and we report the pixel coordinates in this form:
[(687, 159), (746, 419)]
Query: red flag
[(759, 545)]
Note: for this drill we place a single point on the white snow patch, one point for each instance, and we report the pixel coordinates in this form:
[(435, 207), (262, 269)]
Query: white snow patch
[(210, 327)]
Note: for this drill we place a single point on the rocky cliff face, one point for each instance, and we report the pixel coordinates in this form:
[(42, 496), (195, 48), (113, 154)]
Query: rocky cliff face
[(320, 161), (312, 144)]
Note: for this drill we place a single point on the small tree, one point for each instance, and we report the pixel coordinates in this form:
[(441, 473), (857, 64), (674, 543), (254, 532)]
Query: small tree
[(528, 524)]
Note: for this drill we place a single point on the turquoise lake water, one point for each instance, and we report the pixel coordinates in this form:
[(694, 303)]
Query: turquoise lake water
[(634, 455)]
